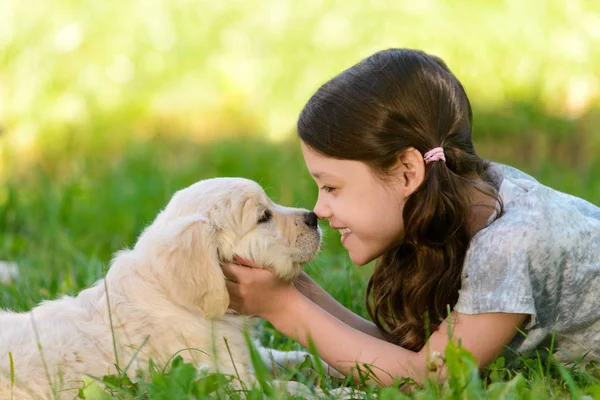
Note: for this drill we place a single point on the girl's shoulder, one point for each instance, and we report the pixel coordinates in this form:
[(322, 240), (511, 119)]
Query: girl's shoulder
[(531, 205), (537, 220), (541, 256), (503, 171)]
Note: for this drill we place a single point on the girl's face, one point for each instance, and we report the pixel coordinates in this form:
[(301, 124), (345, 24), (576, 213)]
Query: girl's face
[(366, 211)]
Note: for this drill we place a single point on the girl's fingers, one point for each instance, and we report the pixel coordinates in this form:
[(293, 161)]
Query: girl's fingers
[(244, 262), (232, 272), (232, 287), (233, 290)]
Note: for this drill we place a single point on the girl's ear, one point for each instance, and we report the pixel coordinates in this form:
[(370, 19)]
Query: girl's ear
[(410, 169)]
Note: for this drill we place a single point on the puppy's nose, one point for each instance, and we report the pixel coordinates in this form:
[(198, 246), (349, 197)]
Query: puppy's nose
[(310, 219)]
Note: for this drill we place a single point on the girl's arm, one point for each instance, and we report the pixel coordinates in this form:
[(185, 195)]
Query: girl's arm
[(343, 347), (315, 293), (259, 292)]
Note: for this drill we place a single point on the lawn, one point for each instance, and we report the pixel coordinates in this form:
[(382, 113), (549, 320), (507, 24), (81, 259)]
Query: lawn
[(62, 220), (106, 110)]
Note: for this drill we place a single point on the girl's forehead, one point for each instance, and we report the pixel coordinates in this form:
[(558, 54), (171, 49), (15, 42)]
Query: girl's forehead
[(323, 167), (313, 157)]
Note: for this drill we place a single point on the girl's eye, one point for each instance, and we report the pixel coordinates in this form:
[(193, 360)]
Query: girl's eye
[(327, 189), (266, 217)]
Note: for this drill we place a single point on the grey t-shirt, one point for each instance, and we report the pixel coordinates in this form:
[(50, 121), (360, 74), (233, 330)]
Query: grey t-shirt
[(542, 258)]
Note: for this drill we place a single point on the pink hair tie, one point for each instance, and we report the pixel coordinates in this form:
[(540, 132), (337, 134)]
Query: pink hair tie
[(434, 155)]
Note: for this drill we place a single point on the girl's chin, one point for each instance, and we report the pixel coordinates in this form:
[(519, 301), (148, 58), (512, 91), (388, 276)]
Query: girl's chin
[(360, 259), (357, 252)]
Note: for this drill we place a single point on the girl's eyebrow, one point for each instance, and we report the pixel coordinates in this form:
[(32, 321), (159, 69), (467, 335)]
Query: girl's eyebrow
[(321, 174)]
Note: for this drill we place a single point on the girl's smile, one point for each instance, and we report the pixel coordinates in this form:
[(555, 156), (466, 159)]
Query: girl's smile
[(344, 232)]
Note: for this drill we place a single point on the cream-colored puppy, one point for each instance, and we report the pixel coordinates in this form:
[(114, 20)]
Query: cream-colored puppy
[(166, 295)]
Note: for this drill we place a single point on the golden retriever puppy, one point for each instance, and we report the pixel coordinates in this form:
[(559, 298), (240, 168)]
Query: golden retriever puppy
[(164, 296)]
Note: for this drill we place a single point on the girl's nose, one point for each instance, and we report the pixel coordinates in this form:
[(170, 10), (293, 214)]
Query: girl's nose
[(322, 210)]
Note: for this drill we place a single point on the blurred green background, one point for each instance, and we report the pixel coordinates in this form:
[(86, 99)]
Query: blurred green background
[(107, 108)]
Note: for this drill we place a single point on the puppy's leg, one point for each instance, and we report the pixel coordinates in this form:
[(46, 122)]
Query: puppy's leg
[(297, 389), (9, 392), (282, 361)]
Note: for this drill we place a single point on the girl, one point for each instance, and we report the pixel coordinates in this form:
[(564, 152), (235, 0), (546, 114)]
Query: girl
[(388, 143)]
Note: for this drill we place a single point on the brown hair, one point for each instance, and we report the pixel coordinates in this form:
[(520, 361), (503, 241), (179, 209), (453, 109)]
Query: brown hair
[(372, 112)]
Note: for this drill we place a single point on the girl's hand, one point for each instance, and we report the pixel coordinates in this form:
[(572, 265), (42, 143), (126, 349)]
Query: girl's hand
[(256, 291)]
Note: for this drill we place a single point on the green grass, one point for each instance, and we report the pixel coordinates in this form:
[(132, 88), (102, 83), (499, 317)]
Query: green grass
[(63, 218), (107, 108)]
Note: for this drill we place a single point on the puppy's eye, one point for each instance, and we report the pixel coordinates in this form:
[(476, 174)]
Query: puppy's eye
[(265, 217)]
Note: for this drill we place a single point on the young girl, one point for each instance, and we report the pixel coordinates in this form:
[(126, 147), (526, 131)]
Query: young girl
[(388, 143)]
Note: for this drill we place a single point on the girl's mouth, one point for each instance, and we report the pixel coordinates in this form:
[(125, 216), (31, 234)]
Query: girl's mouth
[(345, 232)]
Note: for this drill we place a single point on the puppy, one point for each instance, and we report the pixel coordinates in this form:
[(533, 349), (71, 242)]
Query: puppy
[(165, 296)]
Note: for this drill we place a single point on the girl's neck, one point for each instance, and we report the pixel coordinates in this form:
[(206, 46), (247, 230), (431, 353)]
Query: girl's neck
[(483, 207)]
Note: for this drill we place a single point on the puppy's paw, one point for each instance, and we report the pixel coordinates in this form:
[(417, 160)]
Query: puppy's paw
[(300, 361)]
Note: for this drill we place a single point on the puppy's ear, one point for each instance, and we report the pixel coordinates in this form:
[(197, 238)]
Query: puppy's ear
[(191, 270)]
